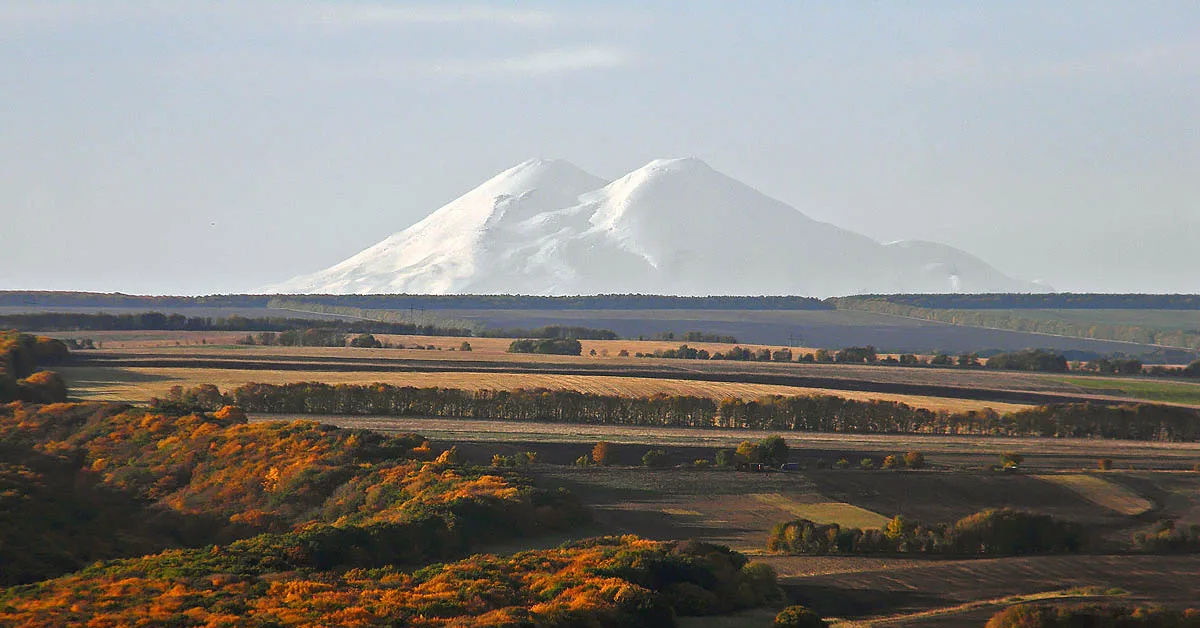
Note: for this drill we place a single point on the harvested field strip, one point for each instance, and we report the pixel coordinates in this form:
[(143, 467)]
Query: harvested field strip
[(996, 604), (141, 383), (1103, 492), (1167, 580), (486, 430), (841, 513)]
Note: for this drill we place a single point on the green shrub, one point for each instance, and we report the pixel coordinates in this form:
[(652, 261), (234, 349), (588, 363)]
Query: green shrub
[(799, 617), (655, 458)]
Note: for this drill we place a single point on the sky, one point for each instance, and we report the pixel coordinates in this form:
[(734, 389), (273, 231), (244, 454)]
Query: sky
[(179, 147)]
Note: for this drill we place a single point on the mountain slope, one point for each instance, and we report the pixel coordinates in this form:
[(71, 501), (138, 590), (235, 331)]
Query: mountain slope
[(673, 226)]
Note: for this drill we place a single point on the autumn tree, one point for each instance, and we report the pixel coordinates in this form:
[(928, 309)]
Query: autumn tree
[(1011, 459), (602, 453)]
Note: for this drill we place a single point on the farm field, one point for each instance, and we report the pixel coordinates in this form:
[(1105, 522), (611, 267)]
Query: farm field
[(1163, 320), (1140, 388), (562, 443), (994, 389), (138, 384), (817, 328), (739, 509)]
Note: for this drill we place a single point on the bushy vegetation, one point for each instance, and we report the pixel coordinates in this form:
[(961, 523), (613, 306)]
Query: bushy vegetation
[(20, 357), (1168, 537), (807, 413), (772, 450), (799, 617), (990, 532), (1029, 360), (311, 337), (553, 346), (607, 582), (1092, 616), (351, 497)]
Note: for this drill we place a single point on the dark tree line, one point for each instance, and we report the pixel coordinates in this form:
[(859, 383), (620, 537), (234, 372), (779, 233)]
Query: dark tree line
[(816, 413), (551, 346), (1029, 360), (551, 331), (60, 321), (990, 532), (1052, 301), (25, 298)]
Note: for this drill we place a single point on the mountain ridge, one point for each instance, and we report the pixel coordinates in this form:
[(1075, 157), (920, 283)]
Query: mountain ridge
[(672, 226)]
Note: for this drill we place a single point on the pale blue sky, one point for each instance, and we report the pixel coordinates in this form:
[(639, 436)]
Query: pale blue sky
[(196, 147)]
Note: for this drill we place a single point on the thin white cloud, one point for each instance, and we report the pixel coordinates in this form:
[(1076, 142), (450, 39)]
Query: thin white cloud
[(326, 13), (348, 14), (219, 64), (540, 63)]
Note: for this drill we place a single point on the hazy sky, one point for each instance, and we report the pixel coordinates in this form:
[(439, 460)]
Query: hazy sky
[(199, 147)]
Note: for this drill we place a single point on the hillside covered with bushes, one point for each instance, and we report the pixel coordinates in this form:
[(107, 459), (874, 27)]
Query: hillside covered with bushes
[(304, 524)]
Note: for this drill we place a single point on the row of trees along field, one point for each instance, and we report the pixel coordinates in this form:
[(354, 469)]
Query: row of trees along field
[(302, 524), (20, 379), (990, 532), (1040, 360), (807, 413), (953, 309), (1093, 616), (157, 321), (1059, 300)]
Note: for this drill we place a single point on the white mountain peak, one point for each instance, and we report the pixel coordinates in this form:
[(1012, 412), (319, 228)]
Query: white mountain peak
[(672, 226)]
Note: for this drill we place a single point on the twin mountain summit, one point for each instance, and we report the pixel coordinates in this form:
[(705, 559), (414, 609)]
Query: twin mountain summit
[(673, 226)]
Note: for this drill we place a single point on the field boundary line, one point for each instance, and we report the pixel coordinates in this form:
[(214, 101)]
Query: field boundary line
[(880, 622)]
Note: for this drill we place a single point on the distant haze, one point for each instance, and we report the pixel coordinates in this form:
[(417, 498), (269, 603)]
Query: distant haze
[(194, 147)]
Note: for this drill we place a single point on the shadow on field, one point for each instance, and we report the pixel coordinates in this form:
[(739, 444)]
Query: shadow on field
[(830, 601)]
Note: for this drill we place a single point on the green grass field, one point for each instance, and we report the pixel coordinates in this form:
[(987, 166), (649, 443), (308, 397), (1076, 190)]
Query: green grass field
[(1162, 320), (1150, 390)]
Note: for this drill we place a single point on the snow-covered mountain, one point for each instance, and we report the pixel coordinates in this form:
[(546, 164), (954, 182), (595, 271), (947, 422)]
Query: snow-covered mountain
[(673, 226)]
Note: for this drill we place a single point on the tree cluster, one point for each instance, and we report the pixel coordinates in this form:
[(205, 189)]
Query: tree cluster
[(1029, 360), (801, 413), (551, 331), (311, 337), (1115, 366), (20, 379), (553, 346), (1092, 616), (60, 321), (1168, 537), (990, 532)]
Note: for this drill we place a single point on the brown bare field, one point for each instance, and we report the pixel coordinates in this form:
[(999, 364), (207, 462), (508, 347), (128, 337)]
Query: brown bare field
[(994, 386), (137, 384), (1102, 492), (490, 347), (943, 450), (825, 512)]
